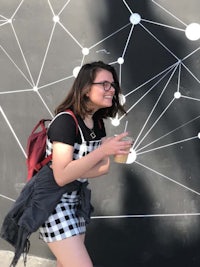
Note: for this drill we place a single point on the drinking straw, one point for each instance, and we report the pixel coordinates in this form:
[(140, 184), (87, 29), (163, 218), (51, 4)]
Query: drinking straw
[(126, 124)]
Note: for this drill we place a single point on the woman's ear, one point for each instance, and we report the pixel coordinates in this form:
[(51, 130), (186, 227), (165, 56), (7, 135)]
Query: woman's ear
[(87, 94)]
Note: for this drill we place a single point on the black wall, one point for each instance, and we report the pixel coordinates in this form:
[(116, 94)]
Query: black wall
[(146, 212)]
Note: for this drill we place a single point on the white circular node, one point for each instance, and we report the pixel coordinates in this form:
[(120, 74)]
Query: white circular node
[(131, 156), (135, 18), (76, 71), (177, 95), (85, 51), (120, 60), (122, 99), (115, 122), (199, 135), (9, 20), (192, 31), (35, 88), (56, 18)]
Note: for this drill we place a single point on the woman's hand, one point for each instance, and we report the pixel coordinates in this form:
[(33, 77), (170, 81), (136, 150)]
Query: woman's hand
[(114, 145)]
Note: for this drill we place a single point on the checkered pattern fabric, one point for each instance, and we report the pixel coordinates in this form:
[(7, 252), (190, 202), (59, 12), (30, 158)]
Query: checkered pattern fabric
[(64, 222)]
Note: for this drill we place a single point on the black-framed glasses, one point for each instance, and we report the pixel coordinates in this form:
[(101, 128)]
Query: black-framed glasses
[(106, 85)]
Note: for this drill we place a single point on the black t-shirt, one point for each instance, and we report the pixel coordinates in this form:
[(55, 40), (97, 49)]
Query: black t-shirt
[(63, 129)]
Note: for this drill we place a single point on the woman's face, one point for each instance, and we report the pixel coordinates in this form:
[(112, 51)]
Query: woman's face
[(99, 97)]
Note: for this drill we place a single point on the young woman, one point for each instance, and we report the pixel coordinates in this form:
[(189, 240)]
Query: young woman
[(93, 97)]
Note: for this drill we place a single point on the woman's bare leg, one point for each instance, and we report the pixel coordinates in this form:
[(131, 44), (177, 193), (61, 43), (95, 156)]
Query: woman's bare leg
[(71, 252)]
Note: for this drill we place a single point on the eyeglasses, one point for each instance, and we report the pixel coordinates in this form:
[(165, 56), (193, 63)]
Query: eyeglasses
[(106, 85)]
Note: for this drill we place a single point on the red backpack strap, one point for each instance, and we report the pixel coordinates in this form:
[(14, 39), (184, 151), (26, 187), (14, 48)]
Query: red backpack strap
[(43, 162), (74, 117), (41, 124), (49, 158), (100, 122)]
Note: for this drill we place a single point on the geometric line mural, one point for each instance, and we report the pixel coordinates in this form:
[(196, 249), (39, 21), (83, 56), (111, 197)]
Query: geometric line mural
[(169, 91)]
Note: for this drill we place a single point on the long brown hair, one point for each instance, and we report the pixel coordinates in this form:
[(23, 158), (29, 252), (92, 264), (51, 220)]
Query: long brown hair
[(77, 99)]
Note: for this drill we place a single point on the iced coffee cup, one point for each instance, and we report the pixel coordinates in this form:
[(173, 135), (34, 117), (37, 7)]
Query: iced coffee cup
[(119, 158)]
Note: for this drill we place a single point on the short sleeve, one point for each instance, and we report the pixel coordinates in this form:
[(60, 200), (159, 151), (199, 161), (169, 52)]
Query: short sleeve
[(63, 129)]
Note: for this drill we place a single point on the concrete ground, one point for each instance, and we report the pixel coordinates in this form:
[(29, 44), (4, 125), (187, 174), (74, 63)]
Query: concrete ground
[(32, 261)]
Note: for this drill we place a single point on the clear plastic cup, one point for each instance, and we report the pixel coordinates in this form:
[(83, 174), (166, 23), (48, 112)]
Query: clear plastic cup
[(119, 158)]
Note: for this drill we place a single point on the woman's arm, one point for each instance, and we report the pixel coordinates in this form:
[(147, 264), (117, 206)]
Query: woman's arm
[(101, 168), (67, 170)]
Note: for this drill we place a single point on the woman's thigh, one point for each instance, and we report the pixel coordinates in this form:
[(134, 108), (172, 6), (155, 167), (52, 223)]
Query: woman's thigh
[(71, 252)]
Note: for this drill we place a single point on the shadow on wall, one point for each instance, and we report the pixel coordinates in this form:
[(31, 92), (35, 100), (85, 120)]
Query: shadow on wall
[(160, 240), (142, 241)]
